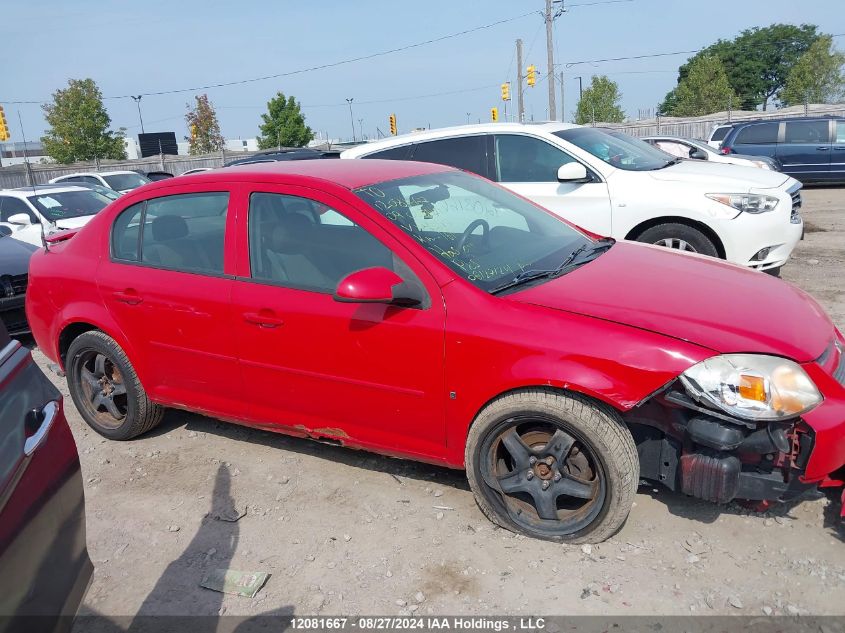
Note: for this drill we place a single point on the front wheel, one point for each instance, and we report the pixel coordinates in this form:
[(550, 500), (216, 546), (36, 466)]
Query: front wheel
[(106, 389), (552, 466), (681, 237)]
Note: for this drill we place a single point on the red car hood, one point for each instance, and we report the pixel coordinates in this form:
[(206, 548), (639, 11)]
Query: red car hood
[(694, 298)]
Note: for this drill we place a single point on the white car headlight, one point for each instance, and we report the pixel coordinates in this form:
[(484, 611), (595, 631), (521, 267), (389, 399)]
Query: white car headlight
[(747, 202), (752, 386)]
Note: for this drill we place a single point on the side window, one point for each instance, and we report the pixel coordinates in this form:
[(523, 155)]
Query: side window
[(675, 149), (185, 232), (806, 132), (126, 234), (719, 134), (12, 206), (527, 159), (394, 153), (840, 132), (90, 180), (308, 251), (758, 134), (465, 152)]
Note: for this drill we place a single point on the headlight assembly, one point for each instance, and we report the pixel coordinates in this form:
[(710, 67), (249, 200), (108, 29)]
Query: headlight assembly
[(751, 386), (747, 202)]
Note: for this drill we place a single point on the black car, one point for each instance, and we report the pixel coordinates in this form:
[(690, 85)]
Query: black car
[(810, 149), (14, 266), (43, 554), (285, 153), (158, 175)]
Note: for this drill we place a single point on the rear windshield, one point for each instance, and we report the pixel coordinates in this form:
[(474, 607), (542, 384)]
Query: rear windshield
[(720, 133), (122, 182), (68, 204)]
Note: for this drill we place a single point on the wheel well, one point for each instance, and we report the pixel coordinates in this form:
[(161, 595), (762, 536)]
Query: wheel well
[(635, 232), (69, 334)]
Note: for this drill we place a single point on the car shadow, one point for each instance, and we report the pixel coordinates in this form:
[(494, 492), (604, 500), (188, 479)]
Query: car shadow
[(335, 453), (177, 602)]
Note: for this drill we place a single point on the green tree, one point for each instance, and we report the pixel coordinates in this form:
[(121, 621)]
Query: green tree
[(817, 75), (205, 137), (757, 62), (283, 124), (600, 102), (79, 125), (705, 89)]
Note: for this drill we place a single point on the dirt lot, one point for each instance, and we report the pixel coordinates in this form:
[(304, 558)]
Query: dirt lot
[(345, 532)]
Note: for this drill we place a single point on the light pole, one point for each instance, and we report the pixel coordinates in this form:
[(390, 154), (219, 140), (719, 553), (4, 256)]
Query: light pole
[(137, 101), (361, 127), (468, 113), (351, 118)]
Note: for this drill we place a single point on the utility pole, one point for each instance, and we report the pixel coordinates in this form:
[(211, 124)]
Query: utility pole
[(361, 127), (562, 113), (351, 118), (549, 17), (137, 101), (520, 106)]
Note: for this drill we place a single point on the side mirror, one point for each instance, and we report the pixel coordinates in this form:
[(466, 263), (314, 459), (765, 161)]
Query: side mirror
[(373, 285), (697, 154), (21, 219), (572, 172)]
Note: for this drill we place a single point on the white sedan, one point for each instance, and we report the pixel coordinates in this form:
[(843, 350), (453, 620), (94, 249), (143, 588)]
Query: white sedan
[(698, 150), (122, 181), (613, 184)]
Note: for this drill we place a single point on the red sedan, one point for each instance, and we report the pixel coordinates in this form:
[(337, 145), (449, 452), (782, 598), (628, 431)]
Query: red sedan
[(420, 311)]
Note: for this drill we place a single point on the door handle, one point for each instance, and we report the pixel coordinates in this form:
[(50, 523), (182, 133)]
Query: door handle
[(263, 319), (823, 148), (47, 415), (839, 148), (128, 296)]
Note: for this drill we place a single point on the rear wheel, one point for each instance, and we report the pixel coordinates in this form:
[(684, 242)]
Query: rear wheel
[(106, 389), (681, 237), (552, 466)]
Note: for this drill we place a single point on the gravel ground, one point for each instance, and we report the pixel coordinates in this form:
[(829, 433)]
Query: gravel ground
[(346, 532)]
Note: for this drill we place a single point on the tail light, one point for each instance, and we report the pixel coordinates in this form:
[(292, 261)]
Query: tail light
[(725, 150)]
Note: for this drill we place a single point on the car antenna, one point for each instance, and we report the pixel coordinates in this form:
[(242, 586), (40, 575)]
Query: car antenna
[(31, 180)]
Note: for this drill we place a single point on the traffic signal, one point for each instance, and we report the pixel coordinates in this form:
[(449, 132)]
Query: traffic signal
[(531, 75), (4, 127), (393, 129), (494, 114), (193, 131), (506, 91)]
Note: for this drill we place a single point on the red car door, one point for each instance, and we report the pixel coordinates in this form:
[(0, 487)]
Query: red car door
[(369, 374), (167, 288)]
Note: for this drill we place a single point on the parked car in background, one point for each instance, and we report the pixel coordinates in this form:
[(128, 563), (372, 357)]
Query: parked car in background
[(809, 149), (42, 506), (197, 170), (718, 134), (155, 176), (45, 209), (14, 274), (121, 181), (109, 193), (696, 150), (613, 184), (286, 153), (421, 311)]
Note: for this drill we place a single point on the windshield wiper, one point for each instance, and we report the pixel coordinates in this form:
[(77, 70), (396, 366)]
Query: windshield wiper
[(569, 262), (671, 162)]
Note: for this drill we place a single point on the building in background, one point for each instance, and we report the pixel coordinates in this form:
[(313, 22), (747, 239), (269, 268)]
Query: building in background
[(14, 154)]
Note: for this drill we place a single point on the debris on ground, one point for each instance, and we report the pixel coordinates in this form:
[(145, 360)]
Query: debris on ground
[(241, 583)]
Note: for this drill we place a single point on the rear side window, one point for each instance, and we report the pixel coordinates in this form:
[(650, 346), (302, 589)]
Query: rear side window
[(806, 132), (465, 152), (184, 232), (758, 134), (394, 153), (720, 133)]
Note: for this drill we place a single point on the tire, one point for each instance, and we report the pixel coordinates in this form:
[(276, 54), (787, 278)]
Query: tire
[(596, 449), (676, 233), (106, 389)]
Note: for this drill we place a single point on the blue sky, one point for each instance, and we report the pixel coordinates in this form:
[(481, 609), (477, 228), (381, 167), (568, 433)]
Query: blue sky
[(136, 47)]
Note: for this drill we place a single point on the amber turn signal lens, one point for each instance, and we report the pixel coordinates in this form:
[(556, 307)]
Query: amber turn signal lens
[(753, 388)]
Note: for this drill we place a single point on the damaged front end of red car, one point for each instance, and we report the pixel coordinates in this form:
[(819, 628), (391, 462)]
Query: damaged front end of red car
[(700, 451)]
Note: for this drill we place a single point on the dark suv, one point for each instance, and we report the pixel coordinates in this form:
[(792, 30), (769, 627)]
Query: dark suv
[(810, 149)]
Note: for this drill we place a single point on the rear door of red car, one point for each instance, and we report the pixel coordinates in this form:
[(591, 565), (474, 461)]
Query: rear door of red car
[(43, 555), (370, 373), (169, 290)]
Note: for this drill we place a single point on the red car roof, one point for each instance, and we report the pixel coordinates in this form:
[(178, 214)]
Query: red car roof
[(346, 173)]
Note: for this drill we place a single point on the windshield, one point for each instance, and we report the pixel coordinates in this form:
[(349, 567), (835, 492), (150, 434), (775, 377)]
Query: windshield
[(122, 182), (484, 233), (617, 149), (68, 204)]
